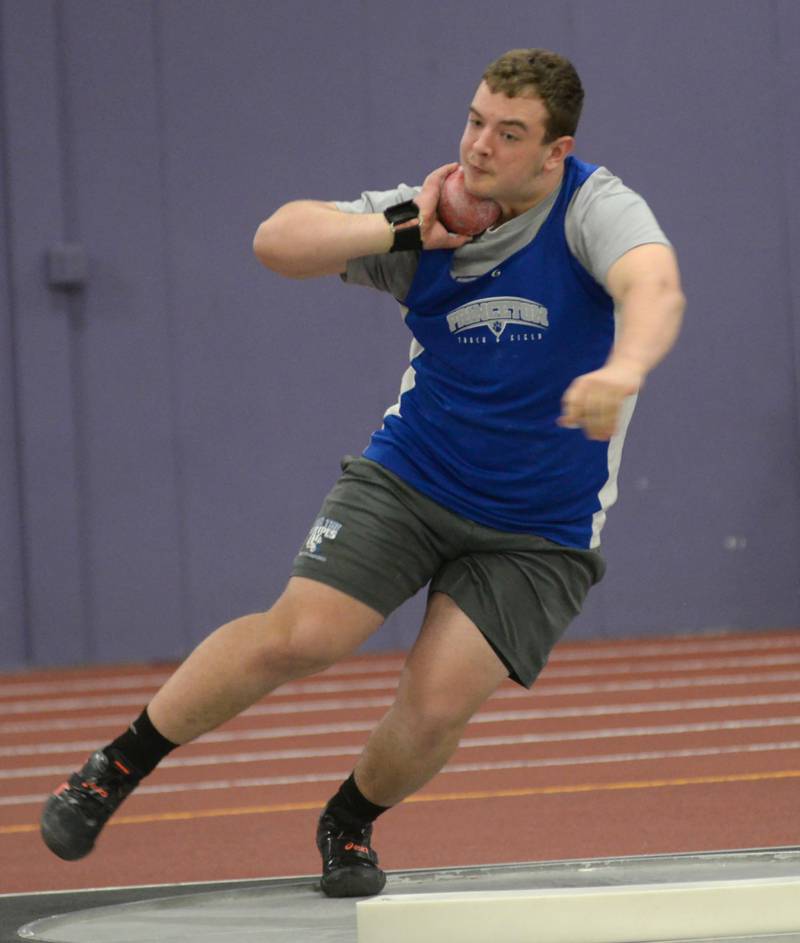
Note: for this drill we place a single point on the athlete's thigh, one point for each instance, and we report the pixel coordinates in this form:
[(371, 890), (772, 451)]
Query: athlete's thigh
[(451, 668)]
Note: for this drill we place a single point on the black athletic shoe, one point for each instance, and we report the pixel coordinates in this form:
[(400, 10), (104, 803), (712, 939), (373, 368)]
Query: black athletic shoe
[(349, 865), (74, 814)]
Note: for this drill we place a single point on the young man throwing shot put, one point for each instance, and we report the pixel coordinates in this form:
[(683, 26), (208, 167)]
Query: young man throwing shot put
[(489, 479)]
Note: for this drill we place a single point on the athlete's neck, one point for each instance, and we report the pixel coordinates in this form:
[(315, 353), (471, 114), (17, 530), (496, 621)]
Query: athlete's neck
[(546, 185)]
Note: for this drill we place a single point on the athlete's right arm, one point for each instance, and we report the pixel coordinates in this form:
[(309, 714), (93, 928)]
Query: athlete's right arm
[(307, 238)]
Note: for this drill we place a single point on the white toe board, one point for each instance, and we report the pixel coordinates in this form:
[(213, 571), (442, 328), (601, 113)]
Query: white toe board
[(623, 914)]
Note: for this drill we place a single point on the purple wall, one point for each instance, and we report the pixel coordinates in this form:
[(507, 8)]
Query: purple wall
[(168, 431)]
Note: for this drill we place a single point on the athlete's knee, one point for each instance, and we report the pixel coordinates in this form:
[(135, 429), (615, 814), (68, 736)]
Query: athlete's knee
[(293, 648), (432, 715), (300, 637)]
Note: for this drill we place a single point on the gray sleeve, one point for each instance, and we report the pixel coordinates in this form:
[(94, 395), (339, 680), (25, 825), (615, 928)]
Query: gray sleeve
[(605, 220), (392, 272)]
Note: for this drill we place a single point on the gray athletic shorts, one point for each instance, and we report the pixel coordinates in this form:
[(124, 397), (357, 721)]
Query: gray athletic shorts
[(380, 541)]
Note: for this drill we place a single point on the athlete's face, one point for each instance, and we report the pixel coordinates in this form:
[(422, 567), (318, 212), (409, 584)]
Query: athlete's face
[(503, 153)]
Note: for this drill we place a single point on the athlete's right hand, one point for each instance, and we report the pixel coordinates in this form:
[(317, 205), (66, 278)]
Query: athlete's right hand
[(434, 235)]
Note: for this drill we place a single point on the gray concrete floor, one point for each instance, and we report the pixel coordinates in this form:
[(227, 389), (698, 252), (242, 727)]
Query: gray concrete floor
[(294, 910)]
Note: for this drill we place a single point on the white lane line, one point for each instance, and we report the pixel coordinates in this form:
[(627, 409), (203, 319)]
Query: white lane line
[(257, 757), (233, 736), (350, 704), (335, 687), (274, 706), (36, 798), (83, 747), (151, 682), (154, 680), (662, 684), (683, 664), (293, 779), (310, 753), (644, 649), (25, 688), (598, 710), (122, 700), (557, 690), (650, 755)]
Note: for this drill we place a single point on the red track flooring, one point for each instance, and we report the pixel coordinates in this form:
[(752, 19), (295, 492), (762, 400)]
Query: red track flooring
[(622, 748)]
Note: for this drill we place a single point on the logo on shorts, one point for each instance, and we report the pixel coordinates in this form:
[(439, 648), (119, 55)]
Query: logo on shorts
[(526, 318), (324, 528)]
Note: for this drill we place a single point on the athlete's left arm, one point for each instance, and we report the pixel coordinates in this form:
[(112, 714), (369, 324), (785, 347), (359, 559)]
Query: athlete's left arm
[(646, 287)]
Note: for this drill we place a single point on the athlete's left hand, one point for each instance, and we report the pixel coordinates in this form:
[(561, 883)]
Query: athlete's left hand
[(592, 402)]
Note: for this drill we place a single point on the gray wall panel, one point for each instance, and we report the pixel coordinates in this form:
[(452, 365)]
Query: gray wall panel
[(13, 635), (123, 373), (787, 96), (45, 336)]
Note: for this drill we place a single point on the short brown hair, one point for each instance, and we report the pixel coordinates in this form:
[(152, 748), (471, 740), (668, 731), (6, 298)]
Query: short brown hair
[(546, 74)]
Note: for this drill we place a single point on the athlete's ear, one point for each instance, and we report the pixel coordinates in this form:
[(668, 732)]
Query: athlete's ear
[(560, 149)]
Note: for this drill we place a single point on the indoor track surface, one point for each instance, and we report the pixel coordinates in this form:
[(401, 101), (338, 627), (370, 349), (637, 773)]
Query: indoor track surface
[(623, 748)]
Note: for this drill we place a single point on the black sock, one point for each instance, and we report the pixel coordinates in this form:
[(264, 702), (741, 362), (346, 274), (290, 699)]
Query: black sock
[(142, 746), (350, 807)]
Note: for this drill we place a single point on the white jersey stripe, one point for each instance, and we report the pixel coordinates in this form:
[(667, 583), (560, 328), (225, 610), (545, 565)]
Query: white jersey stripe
[(409, 377)]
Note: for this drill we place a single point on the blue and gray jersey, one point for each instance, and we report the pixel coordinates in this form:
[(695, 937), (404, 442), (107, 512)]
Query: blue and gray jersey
[(500, 329)]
